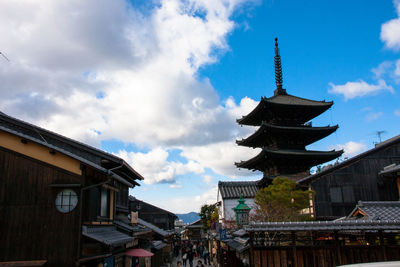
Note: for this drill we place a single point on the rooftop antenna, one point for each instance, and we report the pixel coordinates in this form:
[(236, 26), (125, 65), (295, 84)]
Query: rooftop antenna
[(4, 56), (379, 134), (278, 72)]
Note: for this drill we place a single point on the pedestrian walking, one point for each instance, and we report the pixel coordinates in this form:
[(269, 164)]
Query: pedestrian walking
[(184, 257), (206, 255), (190, 257)]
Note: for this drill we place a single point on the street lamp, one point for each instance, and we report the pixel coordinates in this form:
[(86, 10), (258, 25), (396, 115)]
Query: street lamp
[(242, 212)]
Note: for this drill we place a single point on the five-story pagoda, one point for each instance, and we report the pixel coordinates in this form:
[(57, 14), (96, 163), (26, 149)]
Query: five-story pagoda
[(284, 132)]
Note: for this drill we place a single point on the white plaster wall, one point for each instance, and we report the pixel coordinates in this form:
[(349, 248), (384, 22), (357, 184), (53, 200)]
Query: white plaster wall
[(228, 204)]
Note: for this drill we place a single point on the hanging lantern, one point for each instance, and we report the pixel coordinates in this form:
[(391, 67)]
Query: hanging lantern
[(242, 212)]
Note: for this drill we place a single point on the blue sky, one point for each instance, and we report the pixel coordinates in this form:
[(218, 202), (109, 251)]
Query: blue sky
[(160, 83)]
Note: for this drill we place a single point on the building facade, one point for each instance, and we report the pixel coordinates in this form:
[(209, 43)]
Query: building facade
[(152, 214), (228, 195), (59, 199), (340, 187)]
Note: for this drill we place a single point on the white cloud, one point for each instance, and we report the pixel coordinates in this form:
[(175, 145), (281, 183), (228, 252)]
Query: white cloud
[(142, 65), (207, 179), (220, 157), (191, 203), (390, 31), (372, 116), (397, 112), (98, 70), (175, 185), (397, 69), (350, 148), (156, 168), (360, 88), (382, 69)]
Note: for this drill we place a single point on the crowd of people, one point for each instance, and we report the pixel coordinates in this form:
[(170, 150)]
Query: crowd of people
[(189, 251)]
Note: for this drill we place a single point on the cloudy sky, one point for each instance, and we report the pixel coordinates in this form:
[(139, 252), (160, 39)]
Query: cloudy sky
[(161, 83)]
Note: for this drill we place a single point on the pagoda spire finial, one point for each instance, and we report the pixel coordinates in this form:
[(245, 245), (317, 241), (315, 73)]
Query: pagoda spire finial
[(278, 72)]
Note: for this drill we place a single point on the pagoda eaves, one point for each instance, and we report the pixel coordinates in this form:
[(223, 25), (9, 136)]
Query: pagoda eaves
[(287, 161), (286, 109), (269, 135)]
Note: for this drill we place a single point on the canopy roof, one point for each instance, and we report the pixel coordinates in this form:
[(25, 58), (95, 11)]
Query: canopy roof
[(107, 235), (138, 252), (285, 108), (269, 134), (287, 161)]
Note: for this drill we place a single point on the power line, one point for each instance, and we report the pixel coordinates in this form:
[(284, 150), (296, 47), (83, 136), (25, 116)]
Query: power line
[(4, 56)]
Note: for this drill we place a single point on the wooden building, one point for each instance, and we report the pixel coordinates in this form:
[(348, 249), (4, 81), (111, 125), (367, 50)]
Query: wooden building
[(59, 199), (284, 132), (340, 187), (194, 231), (323, 243), (152, 214)]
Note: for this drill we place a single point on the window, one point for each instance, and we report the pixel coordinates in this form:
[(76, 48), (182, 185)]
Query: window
[(66, 200), (104, 202)]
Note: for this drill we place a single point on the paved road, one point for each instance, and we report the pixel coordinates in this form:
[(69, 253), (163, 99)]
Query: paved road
[(176, 259)]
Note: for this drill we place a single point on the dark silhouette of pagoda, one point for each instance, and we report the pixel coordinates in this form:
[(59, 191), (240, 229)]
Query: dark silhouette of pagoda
[(284, 132)]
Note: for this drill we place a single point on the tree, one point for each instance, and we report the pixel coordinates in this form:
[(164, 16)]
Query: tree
[(281, 201), (208, 213)]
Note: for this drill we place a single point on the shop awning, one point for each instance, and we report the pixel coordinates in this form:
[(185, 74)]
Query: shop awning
[(138, 252), (157, 244), (107, 235)]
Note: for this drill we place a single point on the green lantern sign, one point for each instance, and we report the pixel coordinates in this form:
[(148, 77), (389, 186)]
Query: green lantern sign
[(242, 212)]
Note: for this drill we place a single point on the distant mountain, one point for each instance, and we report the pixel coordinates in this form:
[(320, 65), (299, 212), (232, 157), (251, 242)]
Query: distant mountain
[(188, 217)]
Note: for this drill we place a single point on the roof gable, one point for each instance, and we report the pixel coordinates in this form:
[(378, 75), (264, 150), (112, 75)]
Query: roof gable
[(232, 190), (378, 147), (377, 210)]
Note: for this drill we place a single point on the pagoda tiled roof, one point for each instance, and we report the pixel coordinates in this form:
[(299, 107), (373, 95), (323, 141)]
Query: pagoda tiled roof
[(377, 210), (304, 159), (287, 99), (307, 134), (233, 190), (286, 106)]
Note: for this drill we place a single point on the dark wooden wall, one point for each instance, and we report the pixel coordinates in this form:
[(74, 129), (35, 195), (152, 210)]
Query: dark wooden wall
[(31, 228), (159, 217), (356, 181)]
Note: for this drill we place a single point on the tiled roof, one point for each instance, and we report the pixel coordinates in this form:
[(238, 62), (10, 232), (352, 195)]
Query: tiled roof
[(236, 245), (153, 228), (295, 100), (80, 151), (392, 169), (232, 190), (378, 210), (343, 225), (107, 235)]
